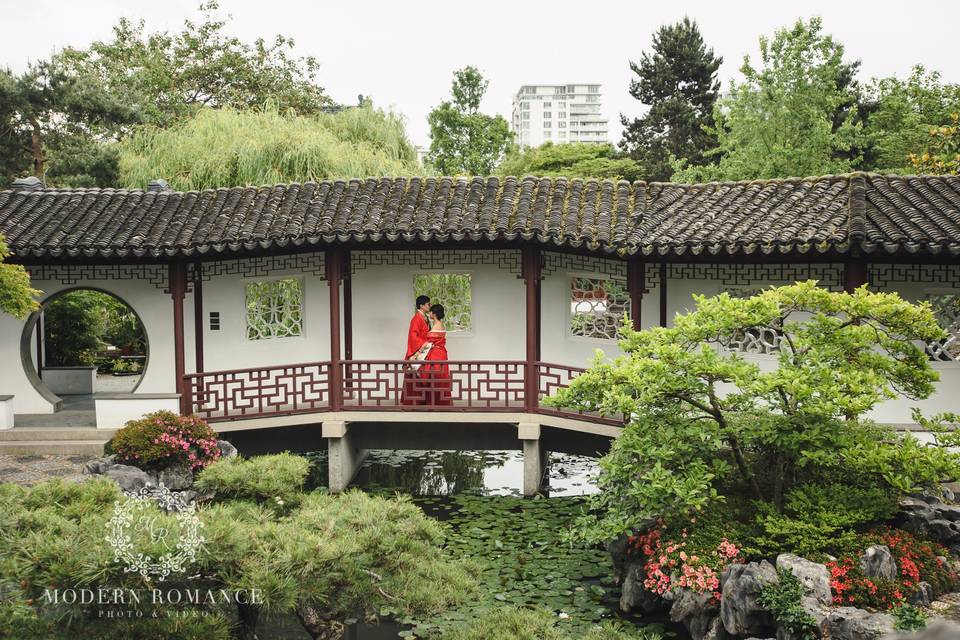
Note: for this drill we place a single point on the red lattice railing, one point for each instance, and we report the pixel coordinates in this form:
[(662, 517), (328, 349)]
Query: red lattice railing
[(260, 391), (557, 376), (388, 385), (472, 385)]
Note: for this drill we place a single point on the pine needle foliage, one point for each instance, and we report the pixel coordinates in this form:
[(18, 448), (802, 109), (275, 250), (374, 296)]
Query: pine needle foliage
[(230, 148)]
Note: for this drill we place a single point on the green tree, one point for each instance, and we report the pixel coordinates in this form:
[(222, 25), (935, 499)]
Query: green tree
[(57, 123), (795, 115), (17, 297), (943, 154), (170, 76), (905, 113), (706, 424), (73, 326), (226, 148), (678, 82), (463, 140), (571, 160)]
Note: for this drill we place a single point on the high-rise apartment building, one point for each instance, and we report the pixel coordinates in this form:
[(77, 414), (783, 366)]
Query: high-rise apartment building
[(558, 113)]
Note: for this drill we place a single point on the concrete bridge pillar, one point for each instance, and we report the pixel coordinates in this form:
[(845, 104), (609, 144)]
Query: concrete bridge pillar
[(343, 458), (534, 457)]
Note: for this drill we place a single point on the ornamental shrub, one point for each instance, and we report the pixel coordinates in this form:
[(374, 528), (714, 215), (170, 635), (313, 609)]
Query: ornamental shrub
[(275, 479), (162, 439), (783, 600)]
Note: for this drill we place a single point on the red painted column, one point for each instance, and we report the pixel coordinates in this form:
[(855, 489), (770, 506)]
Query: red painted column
[(333, 258), (198, 315), (663, 293), (347, 311), (178, 290), (854, 275), (636, 274), (531, 274)]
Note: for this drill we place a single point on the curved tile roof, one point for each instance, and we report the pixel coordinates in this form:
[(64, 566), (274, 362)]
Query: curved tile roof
[(879, 214)]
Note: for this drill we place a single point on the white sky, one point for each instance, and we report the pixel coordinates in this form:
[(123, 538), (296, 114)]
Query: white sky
[(402, 52)]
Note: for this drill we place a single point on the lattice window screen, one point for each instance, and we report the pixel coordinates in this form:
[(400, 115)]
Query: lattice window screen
[(597, 307), (453, 291), (274, 309), (756, 339), (946, 306)]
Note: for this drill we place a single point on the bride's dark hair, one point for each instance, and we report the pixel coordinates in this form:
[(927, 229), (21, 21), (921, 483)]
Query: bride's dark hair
[(437, 310)]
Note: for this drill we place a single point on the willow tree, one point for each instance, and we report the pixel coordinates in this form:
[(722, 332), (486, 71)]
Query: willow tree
[(228, 147)]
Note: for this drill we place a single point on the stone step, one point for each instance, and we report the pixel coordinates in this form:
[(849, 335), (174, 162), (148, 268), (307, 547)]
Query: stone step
[(52, 447), (19, 434)]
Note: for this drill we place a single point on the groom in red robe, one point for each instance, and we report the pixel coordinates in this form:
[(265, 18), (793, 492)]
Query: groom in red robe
[(416, 337)]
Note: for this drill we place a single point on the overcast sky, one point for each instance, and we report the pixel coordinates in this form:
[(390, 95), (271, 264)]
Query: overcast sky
[(403, 53)]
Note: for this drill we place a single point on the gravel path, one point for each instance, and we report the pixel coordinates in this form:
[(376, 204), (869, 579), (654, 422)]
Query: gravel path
[(27, 470)]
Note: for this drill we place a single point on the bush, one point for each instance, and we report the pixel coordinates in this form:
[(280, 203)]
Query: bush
[(537, 624), (783, 601), (277, 478), (907, 617), (163, 439)]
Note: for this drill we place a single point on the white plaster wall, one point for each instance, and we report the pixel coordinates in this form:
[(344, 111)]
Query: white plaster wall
[(155, 309), (114, 413)]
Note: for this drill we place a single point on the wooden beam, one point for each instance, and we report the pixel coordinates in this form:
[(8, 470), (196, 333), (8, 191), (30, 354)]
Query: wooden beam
[(636, 274), (198, 316), (333, 262), (854, 275), (663, 293), (178, 290), (531, 273)]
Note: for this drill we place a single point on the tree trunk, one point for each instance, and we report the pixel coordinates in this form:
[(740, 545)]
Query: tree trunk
[(36, 150), (316, 626), (249, 616)]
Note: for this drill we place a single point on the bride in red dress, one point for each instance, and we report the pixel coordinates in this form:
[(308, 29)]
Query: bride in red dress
[(436, 377)]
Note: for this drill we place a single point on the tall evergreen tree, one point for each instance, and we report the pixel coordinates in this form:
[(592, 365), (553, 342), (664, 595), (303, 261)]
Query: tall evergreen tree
[(678, 81)]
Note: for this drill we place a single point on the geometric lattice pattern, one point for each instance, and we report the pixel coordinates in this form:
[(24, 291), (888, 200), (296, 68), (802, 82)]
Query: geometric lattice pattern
[(267, 266), (882, 275), (274, 309), (73, 274), (554, 262), (220, 395), (946, 306), (508, 259), (828, 275), (452, 290), (597, 307)]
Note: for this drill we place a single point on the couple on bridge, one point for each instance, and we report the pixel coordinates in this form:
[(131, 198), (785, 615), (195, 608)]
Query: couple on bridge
[(425, 381)]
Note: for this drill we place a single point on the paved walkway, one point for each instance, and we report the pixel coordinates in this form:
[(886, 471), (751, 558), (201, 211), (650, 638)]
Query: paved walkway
[(28, 470)]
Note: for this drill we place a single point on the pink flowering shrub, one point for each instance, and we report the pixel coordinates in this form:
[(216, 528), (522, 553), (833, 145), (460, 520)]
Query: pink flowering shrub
[(163, 439), (676, 564)]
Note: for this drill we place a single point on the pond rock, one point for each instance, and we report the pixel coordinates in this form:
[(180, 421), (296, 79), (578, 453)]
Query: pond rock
[(923, 596), (695, 611), (740, 587), (617, 548), (129, 478), (227, 450), (176, 478), (99, 466), (878, 562), (850, 623), (634, 596), (814, 577), (939, 630)]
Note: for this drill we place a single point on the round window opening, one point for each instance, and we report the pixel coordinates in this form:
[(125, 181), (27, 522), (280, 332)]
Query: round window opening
[(85, 341)]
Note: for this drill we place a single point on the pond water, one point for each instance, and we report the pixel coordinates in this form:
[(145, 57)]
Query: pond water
[(517, 540)]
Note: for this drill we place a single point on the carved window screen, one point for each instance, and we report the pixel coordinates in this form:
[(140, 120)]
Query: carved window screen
[(597, 307), (755, 339), (274, 309), (453, 291), (946, 306)]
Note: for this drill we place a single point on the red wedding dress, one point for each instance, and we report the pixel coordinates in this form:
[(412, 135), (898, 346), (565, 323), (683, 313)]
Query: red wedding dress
[(413, 391), (435, 378)]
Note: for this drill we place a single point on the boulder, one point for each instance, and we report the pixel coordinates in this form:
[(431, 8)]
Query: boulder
[(695, 611), (99, 466), (227, 450), (129, 478), (939, 630), (176, 478), (617, 548), (923, 596), (930, 517), (740, 587), (633, 595), (850, 623), (815, 577), (716, 631), (878, 562)]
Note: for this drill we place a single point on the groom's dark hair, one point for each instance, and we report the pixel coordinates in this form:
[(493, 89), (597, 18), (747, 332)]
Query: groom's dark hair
[(422, 300)]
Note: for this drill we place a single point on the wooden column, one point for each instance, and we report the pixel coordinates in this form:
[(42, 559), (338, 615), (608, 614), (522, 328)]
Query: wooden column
[(854, 275), (40, 344), (178, 290), (663, 294), (198, 315), (636, 274), (333, 260), (531, 275), (347, 310)]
